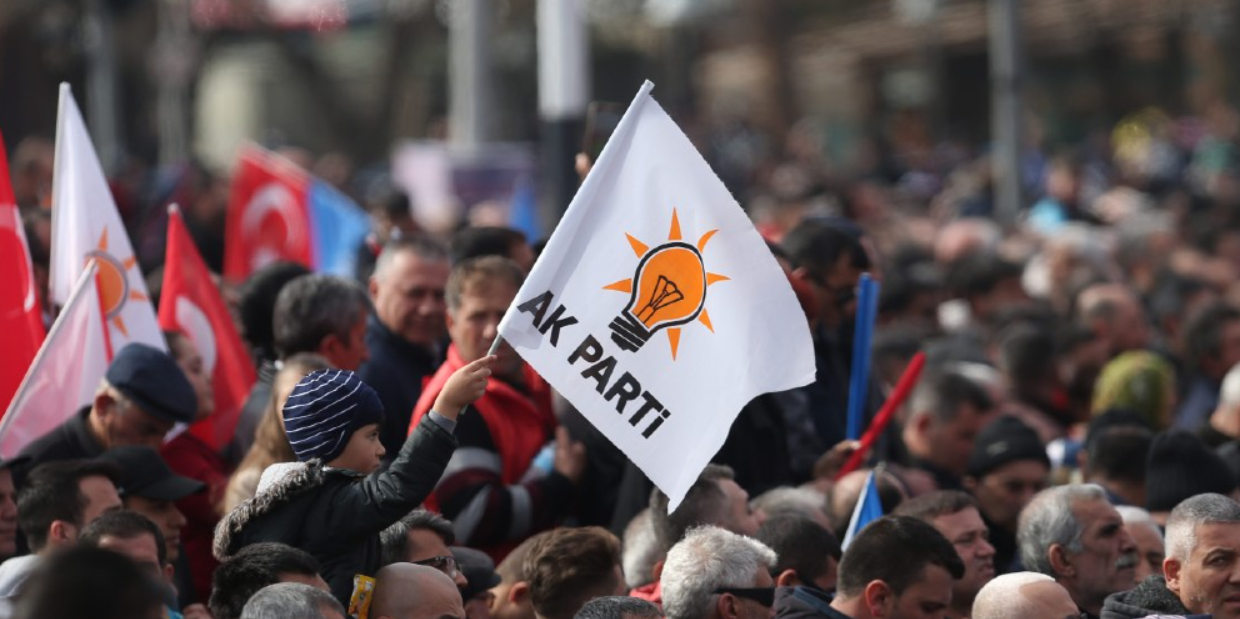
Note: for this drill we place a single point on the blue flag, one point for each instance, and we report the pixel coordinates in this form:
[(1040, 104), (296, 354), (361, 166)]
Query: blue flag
[(869, 508)]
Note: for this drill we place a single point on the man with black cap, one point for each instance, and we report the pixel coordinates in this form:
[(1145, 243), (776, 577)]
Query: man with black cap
[(480, 574), (1180, 466), (149, 487), (142, 396), (1007, 468)]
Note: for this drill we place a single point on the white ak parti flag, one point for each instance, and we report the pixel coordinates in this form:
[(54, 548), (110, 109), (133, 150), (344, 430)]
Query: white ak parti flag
[(86, 225), (65, 372), (656, 308)]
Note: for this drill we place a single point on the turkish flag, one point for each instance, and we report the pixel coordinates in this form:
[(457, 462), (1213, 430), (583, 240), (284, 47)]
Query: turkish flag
[(21, 319), (191, 304), (268, 218)]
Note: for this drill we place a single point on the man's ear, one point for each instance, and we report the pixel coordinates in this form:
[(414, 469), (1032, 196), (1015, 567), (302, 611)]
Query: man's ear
[(1061, 563), (170, 575), (787, 578), (878, 597), (922, 423), (1171, 571), (657, 571), (727, 607), (103, 404), (61, 532), (803, 274), (372, 286), (519, 592)]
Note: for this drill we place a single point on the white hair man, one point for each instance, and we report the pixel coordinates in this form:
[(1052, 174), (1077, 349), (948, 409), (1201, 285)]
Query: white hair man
[(1149, 538), (1201, 574), (1024, 594), (716, 574), (1074, 535), (292, 600)]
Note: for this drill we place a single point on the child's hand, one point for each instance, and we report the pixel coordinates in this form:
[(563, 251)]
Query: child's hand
[(464, 386)]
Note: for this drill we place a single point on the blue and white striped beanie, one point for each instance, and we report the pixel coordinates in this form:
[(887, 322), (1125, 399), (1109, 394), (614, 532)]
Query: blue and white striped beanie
[(325, 409)]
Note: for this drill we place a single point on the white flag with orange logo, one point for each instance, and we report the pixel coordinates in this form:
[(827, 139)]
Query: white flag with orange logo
[(86, 225), (65, 372), (656, 308)]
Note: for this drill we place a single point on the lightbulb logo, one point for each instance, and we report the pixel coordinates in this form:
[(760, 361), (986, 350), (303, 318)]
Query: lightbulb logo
[(667, 290)]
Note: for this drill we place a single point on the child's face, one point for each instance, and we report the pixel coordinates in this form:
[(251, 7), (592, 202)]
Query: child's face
[(363, 453)]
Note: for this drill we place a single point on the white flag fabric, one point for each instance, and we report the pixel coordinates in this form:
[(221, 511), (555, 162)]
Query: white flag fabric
[(656, 308), (85, 225), (65, 372)]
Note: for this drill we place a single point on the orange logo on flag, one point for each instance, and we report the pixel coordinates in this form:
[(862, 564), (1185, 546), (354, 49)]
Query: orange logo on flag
[(668, 289), (113, 280)]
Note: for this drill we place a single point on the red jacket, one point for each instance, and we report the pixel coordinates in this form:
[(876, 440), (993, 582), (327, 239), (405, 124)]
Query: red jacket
[(189, 456)]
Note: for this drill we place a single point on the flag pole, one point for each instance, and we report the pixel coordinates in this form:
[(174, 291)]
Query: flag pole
[(494, 347)]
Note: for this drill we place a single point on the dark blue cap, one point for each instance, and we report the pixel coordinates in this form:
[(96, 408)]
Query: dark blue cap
[(154, 382)]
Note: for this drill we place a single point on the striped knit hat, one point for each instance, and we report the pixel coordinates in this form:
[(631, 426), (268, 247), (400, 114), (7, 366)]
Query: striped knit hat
[(325, 409)]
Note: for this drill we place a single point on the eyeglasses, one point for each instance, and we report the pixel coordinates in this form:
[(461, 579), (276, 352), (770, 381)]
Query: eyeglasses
[(443, 563), (762, 595)]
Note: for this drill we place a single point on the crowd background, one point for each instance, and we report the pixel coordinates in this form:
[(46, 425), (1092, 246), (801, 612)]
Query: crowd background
[(1080, 404)]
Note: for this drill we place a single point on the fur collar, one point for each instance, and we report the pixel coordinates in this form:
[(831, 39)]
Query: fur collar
[(296, 481)]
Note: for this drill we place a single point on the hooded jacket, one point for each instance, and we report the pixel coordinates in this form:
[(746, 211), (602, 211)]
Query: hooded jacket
[(336, 515), (1151, 597)]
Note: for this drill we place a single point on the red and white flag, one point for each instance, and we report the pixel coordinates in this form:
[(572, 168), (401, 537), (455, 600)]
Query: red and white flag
[(191, 304), (21, 319), (65, 373), (86, 225)]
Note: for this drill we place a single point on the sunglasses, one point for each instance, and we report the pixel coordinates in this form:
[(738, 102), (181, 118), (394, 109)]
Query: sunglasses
[(443, 563), (762, 595)]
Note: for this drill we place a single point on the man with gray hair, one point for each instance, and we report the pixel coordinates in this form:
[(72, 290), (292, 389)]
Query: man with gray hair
[(1023, 594), (1201, 574), (423, 538), (405, 333), (716, 574), (292, 600), (1074, 535)]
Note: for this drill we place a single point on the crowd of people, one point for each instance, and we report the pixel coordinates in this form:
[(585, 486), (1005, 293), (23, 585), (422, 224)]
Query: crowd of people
[(1071, 450)]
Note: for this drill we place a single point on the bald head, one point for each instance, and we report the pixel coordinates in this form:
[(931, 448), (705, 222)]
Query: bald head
[(408, 591), (1024, 594)]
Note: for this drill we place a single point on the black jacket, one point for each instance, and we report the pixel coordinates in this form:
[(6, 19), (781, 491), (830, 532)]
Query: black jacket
[(337, 515), (804, 603), (1151, 597), (395, 370), (68, 441)]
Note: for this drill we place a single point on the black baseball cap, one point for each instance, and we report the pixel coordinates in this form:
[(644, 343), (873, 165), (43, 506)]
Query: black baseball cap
[(478, 569), (154, 382), (145, 474)]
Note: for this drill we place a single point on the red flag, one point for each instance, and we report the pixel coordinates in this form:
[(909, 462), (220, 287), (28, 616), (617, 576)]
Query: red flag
[(268, 219), (191, 304), (21, 319)]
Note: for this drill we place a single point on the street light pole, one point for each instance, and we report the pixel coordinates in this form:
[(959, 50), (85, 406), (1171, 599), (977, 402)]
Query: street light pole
[(563, 92), (1006, 73), (470, 98)]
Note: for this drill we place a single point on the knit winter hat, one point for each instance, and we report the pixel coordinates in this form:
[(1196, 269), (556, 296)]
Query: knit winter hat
[(1006, 439), (1139, 381), (325, 409), (1180, 466)]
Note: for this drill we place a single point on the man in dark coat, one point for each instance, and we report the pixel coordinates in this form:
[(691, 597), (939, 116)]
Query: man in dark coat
[(142, 396), (406, 332)]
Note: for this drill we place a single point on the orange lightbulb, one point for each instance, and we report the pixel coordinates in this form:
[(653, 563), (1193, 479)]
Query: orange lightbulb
[(669, 289)]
